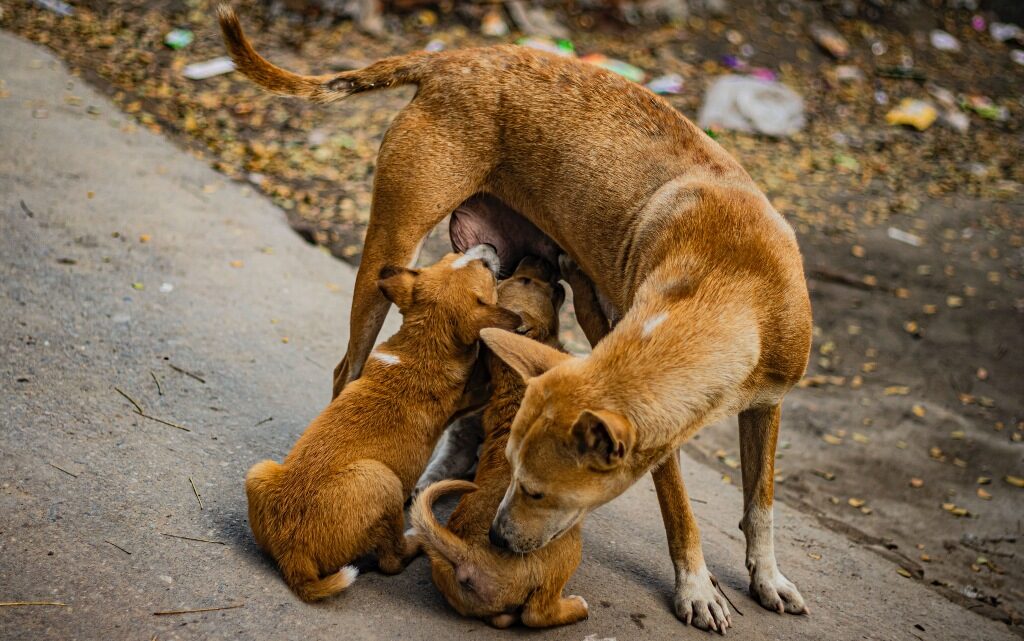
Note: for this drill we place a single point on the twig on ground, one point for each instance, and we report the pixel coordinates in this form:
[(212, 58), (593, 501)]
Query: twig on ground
[(159, 390), (714, 581), (226, 607), (28, 212), (192, 538), (138, 408), (196, 492), (187, 373), (10, 604), (117, 546), (266, 420), (160, 420), (62, 470), (702, 501), (843, 279)]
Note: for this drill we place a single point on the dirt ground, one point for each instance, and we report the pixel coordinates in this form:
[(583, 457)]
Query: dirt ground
[(908, 433)]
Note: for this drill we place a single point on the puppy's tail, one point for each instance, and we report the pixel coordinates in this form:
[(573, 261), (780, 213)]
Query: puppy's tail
[(301, 577), (389, 72), (434, 535)]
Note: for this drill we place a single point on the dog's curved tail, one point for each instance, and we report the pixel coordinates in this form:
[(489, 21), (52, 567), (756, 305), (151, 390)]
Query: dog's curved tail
[(300, 574), (389, 72), (434, 535)]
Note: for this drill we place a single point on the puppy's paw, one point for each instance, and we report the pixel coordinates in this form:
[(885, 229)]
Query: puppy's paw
[(774, 591), (699, 603)]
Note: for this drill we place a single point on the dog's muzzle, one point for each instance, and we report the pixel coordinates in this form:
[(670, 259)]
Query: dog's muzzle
[(484, 252)]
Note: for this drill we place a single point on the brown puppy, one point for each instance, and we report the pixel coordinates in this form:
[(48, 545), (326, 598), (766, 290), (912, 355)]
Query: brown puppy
[(699, 276), (475, 578), (340, 492)]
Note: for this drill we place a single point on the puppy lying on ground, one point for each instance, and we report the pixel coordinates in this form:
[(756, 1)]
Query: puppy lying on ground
[(339, 494), (477, 579)]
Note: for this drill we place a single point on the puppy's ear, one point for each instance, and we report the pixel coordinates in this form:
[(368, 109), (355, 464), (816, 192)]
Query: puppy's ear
[(603, 439), (526, 356), (396, 284), (489, 316)]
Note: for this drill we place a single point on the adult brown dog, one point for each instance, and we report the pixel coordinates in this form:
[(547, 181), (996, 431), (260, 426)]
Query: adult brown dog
[(340, 492), (476, 579), (700, 277)]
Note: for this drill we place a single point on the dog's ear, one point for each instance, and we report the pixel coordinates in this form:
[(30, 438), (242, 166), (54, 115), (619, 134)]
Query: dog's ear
[(602, 439), (396, 283), (526, 356)]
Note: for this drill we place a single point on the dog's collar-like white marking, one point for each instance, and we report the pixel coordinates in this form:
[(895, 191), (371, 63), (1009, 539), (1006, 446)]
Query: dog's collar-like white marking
[(653, 322), (384, 357)]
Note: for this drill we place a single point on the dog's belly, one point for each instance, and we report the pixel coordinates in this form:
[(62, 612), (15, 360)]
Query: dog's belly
[(485, 219)]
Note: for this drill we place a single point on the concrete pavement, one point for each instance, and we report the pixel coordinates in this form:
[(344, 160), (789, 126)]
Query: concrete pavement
[(224, 322)]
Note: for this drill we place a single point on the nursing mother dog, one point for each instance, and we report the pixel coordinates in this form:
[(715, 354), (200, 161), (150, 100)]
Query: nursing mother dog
[(701, 280)]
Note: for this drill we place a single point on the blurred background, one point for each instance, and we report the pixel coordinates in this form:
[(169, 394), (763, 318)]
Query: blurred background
[(888, 132)]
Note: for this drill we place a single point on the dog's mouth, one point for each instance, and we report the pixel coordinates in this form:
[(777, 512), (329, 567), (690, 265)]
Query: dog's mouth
[(484, 220)]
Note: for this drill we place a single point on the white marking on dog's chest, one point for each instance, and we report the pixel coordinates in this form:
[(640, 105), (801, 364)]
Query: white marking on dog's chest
[(651, 323), (384, 357)]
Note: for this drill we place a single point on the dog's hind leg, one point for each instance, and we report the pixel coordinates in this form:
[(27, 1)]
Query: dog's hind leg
[(589, 313), (395, 550), (697, 599), (422, 176), (759, 430)]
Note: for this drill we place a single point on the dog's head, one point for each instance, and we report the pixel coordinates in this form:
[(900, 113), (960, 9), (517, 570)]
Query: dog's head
[(568, 453), (458, 294), (533, 292)]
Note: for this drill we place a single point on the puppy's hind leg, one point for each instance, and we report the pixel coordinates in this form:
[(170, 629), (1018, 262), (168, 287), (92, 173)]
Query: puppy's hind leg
[(423, 174), (547, 608), (759, 431)]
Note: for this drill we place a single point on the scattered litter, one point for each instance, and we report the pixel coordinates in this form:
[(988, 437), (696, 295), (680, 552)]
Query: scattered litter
[(1003, 31), (535, 20), (978, 23), (209, 68), (849, 73), (764, 73), (166, 288), (614, 65), (903, 572), (984, 107), (904, 237), (1017, 55), (1015, 481), (56, 6), (179, 38), (748, 104), (916, 113), (916, 483), (434, 46), (943, 40), (829, 39), (560, 47), (668, 84), (493, 25)]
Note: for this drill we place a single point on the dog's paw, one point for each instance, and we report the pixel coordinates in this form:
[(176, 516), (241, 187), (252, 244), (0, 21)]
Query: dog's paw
[(698, 603), (774, 591)]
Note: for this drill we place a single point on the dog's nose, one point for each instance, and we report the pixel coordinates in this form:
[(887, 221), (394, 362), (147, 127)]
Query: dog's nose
[(497, 539)]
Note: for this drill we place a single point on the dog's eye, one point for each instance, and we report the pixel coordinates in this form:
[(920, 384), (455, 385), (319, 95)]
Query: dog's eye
[(533, 495)]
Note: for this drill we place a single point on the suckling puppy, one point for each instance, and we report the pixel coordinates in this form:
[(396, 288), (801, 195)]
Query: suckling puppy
[(339, 494), (476, 578)]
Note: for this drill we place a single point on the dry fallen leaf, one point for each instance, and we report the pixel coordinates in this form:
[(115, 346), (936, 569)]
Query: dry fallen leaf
[(896, 390), (916, 482), (237, 264), (904, 572), (856, 502), (982, 494), (1015, 481), (831, 439)]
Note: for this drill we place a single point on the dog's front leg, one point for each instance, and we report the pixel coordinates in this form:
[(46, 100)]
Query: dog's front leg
[(697, 599), (759, 430)]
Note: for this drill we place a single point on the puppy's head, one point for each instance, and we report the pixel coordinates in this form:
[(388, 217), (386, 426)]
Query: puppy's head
[(533, 292), (568, 454), (457, 295)]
